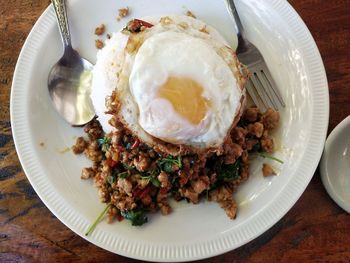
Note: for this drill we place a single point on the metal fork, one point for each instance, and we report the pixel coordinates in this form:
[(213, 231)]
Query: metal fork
[(260, 85)]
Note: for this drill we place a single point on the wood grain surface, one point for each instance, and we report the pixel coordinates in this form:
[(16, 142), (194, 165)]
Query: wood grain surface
[(315, 229)]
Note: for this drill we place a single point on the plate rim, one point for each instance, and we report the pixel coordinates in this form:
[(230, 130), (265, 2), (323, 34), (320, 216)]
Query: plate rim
[(224, 243)]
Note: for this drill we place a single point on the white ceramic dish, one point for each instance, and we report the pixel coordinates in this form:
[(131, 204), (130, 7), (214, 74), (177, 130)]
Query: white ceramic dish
[(190, 232), (335, 164)]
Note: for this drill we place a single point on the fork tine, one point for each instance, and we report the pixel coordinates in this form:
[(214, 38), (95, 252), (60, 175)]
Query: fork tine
[(261, 91), (266, 86), (273, 85), (254, 95)]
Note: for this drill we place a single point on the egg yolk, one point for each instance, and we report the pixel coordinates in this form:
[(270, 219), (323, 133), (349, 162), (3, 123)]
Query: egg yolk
[(185, 95)]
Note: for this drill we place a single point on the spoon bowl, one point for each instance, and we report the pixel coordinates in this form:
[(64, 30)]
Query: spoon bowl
[(69, 81)]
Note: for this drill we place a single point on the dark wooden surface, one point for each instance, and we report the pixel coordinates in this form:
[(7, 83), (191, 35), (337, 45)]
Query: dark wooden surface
[(315, 229)]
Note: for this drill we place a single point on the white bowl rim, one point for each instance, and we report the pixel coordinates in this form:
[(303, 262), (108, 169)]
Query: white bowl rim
[(326, 175)]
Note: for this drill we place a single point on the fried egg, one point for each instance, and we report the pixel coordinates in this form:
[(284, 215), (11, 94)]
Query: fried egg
[(177, 81)]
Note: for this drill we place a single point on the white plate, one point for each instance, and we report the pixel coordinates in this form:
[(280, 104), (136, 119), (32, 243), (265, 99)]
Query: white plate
[(190, 232), (335, 164)]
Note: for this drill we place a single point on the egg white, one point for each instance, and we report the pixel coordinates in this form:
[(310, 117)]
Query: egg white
[(105, 75), (178, 54), (137, 76)]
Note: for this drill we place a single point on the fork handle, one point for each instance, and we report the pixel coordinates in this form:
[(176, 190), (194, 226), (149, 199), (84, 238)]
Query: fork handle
[(231, 7)]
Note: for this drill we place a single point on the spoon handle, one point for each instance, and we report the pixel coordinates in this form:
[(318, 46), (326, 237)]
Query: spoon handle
[(61, 14)]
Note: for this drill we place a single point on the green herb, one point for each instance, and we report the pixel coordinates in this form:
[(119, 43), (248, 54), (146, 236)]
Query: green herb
[(242, 122), (155, 182), (166, 164), (265, 155), (136, 216), (167, 167), (230, 172), (104, 143), (98, 219), (118, 174), (173, 179), (227, 173), (152, 177), (128, 167), (123, 175), (111, 180), (115, 172), (257, 151), (256, 147)]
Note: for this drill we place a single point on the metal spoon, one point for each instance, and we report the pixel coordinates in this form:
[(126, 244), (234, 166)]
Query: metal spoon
[(69, 80)]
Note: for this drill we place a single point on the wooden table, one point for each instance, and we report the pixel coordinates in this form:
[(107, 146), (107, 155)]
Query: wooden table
[(314, 229)]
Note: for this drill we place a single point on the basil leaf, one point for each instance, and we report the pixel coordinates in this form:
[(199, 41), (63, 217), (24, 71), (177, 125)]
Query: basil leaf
[(123, 175), (111, 180), (155, 182), (128, 167), (166, 164), (104, 143), (136, 216), (230, 172), (152, 177), (168, 167), (256, 147)]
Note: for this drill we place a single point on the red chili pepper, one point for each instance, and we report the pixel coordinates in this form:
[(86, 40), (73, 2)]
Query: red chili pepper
[(120, 148), (183, 181), (111, 163), (135, 144), (141, 193), (163, 191), (136, 192), (143, 23), (119, 218), (183, 178), (145, 191)]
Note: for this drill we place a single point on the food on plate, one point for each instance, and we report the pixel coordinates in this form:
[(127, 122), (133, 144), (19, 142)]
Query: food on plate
[(99, 43), (123, 12), (267, 170), (189, 13), (172, 119), (100, 30)]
